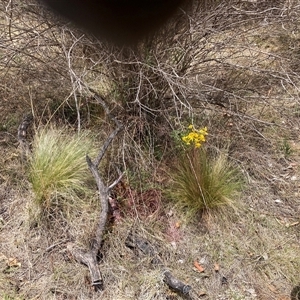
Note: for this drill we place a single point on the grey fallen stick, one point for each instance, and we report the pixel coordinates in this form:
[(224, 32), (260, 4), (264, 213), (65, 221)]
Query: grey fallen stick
[(136, 242), (88, 257)]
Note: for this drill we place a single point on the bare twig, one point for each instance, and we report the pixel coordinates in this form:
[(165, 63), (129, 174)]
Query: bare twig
[(75, 81), (50, 248)]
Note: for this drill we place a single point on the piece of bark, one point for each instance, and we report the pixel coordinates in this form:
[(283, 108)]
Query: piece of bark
[(140, 244), (23, 127), (23, 134), (176, 284)]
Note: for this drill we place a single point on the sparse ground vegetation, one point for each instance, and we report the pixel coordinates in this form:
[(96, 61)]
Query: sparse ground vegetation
[(232, 66)]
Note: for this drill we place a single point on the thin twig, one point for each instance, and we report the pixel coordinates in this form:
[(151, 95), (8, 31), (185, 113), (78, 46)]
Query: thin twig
[(55, 245)]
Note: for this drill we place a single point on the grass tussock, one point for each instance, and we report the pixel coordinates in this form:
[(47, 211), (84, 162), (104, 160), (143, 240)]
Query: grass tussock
[(58, 166), (201, 183)]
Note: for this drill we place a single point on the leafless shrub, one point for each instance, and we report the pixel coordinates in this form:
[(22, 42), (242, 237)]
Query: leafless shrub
[(218, 55), (215, 56)]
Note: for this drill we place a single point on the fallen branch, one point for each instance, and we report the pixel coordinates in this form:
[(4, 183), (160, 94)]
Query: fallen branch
[(89, 257), (140, 244)]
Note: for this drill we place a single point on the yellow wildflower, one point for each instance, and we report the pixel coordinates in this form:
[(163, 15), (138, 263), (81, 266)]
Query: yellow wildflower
[(195, 137)]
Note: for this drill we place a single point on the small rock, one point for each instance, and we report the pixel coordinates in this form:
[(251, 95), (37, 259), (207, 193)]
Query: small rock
[(251, 292), (174, 245), (224, 280)]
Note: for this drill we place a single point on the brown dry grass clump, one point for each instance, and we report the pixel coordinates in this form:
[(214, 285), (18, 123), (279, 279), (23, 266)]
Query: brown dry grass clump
[(202, 183)]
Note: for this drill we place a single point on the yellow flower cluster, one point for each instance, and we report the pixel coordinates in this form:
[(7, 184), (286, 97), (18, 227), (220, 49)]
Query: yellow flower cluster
[(195, 137)]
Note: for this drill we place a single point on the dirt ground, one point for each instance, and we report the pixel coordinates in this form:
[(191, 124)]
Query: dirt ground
[(256, 246)]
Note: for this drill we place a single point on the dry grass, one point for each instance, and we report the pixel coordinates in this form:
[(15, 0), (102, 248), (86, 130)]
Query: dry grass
[(58, 168), (247, 95), (204, 183)]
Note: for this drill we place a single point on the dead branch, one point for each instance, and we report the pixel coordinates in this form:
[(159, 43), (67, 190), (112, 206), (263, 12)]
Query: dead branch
[(140, 244), (89, 257)]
